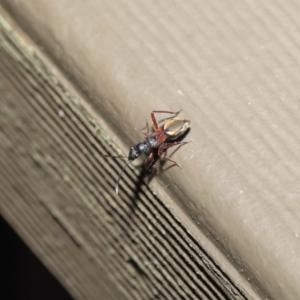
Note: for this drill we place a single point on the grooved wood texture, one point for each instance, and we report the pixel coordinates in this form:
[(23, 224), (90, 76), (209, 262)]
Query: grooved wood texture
[(233, 67), (57, 190)]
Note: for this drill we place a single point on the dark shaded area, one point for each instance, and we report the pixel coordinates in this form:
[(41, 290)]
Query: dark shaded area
[(22, 275)]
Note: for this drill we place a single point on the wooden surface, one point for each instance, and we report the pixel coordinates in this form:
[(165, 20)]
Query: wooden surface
[(232, 228), (57, 191)]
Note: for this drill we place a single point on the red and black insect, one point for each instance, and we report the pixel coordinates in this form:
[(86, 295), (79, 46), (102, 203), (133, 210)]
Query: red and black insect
[(156, 143)]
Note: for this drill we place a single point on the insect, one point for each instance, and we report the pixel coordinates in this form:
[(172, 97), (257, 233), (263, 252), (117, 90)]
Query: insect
[(155, 144)]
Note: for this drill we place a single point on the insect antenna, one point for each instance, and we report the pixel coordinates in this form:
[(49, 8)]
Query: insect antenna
[(114, 156), (120, 175)]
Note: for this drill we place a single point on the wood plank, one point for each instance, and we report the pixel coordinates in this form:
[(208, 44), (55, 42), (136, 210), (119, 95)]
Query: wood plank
[(57, 191)]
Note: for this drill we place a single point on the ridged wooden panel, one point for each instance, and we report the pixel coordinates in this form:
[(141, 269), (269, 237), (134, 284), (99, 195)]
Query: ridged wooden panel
[(57, 191)]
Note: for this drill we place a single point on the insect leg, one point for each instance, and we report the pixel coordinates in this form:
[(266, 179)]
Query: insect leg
[(149, 161), (165, 146), (154, 121), (149, 166), (145, 134), (162, 150)]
